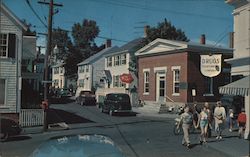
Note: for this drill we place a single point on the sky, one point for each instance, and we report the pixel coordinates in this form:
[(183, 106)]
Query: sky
[(123, 20)]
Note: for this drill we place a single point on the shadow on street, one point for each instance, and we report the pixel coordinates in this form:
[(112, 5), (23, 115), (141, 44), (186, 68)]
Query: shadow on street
[(18, 138), (57, 116)]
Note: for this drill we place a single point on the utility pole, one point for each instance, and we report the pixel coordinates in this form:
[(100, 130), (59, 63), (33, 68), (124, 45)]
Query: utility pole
[(47, 53)]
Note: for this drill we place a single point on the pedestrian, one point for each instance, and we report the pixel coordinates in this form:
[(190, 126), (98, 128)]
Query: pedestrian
[(203, 123), (219, 117), (195, 114), (230, 119), (210, 119), (186, 121), (242, 118)]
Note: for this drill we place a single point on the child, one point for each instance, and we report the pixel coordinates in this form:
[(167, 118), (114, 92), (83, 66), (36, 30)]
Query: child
[(242, 122)]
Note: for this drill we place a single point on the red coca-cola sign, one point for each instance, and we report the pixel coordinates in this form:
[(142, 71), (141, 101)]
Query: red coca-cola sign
[(126, 78)]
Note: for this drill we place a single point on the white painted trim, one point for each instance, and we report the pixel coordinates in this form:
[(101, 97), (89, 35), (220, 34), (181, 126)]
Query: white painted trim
[(146, 70), (175, 68), (176, 94), (159, 69), (145, 93)]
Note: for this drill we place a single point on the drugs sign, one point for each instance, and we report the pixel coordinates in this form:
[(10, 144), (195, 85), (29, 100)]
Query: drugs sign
[(210, 65)]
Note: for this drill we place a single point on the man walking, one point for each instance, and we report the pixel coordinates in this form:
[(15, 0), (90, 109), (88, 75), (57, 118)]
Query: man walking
[(219, 117)]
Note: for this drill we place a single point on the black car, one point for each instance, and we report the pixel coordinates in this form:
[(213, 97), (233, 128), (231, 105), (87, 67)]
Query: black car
[(116, 102), (85, 98), (8, 127)]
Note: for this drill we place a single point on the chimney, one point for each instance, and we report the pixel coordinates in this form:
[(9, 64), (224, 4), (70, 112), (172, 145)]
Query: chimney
[(203, 39), (108, 43), (146, 28), (231, 39)]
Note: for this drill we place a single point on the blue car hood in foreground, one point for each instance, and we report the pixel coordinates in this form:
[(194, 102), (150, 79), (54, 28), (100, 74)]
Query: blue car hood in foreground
[(78, 146)]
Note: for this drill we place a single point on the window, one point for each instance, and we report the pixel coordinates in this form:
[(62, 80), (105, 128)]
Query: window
[(81, 69), (109, 62), (56, 83), (208, 86), (117, 60), (3, 45), (176, 81), (61, 70), (2, 91), (116, 81), (146, 82), (7, 45), (56, 70), (87, 68), (81, 83), (123, 59)]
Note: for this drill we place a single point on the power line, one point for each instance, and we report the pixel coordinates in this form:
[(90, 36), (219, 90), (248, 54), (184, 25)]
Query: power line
[(32, 9), (137, 6)]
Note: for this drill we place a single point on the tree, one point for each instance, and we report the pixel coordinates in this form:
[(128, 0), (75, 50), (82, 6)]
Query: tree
[(62, 40), (84, 35), (164, 30)]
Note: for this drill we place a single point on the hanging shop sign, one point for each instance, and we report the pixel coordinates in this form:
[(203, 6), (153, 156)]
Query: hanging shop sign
[(126, 78), (210, 65)]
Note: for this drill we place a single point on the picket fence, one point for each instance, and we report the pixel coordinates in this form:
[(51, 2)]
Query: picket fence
[(31, 117)]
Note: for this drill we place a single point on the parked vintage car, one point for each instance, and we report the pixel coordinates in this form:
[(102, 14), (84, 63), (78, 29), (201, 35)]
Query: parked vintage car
[(115, 103), (85, 98), (8, 127)]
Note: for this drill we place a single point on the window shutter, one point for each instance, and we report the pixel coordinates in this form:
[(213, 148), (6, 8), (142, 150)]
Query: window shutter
[(12, 46)]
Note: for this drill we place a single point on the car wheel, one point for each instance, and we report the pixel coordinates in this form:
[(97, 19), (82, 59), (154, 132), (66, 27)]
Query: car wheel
[(111, 112), (4, 136)]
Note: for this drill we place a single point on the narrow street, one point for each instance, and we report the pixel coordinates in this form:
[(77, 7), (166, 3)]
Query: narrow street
[(136, 136)]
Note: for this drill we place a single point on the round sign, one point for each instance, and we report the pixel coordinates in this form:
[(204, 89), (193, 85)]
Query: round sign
[(126, 78)]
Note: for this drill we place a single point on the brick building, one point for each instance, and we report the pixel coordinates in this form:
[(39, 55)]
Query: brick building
[(169, 71)]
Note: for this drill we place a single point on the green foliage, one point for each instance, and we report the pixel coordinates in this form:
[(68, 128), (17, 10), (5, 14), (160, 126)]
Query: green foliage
[(62, 40), (164, 30)]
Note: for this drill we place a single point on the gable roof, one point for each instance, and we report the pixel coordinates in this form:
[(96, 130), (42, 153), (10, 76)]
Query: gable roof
[(131, 46), (98, 55), (5, 10), (164, 46)]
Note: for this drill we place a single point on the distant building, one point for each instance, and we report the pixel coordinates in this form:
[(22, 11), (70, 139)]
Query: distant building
[(58, 76), (91, 70), (169, 72), (240, 41), (117, 64), (11, 47)]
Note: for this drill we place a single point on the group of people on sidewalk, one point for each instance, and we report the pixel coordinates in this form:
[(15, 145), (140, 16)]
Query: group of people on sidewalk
[(204, 119)]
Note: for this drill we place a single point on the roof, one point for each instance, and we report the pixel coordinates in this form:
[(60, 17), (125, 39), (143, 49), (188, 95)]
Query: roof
[(13, 17), (98, 55), (131, 46), (164, 46), (58, 65), (239, 87)]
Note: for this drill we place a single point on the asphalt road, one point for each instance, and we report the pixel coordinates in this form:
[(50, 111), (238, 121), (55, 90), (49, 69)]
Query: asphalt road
[(136, 136)]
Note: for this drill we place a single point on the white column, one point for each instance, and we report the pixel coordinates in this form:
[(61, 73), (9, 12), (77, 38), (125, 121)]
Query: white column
[(247, 109)]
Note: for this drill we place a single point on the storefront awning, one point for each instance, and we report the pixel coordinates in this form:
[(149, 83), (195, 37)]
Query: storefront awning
[(239, 87)]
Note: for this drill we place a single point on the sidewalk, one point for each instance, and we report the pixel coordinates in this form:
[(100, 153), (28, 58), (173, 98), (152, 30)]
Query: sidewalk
[(230, 144)]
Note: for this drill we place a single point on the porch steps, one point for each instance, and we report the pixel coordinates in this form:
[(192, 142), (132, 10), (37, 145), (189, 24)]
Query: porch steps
[(163, 108)]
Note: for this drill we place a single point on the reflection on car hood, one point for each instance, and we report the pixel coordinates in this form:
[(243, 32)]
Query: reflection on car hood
[(78, 146)]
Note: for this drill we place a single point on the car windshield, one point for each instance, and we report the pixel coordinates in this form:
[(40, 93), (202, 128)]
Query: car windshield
[(118, 97)]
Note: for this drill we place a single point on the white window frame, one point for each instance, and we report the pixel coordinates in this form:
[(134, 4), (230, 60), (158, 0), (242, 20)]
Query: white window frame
[(123, 59), (175, 69), (56, 82), (109, 61), (5, 91), (117, 60), (56, 70), (1, 45), (116, 81), (81, 82), (87, 68), (146, 81)]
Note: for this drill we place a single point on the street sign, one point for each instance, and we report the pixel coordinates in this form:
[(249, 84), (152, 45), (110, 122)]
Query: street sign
[(210, 65)]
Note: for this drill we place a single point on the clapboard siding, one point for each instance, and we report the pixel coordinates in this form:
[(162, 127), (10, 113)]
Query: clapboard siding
[(9, 69)]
